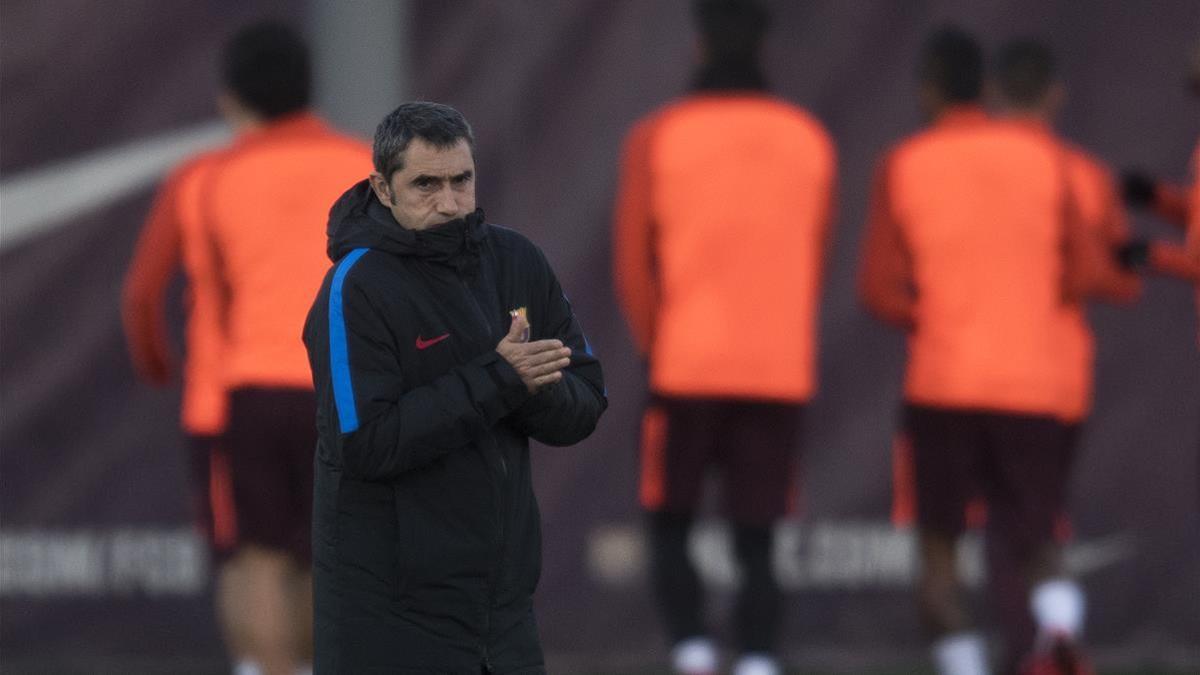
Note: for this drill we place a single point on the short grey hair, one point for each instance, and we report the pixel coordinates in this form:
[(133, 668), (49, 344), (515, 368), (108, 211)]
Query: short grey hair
[(435, 123)]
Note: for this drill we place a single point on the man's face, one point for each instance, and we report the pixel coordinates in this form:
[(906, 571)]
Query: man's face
[(435, 185)]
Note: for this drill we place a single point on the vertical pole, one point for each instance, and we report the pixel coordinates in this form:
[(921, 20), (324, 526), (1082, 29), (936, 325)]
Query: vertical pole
[(360, 60)]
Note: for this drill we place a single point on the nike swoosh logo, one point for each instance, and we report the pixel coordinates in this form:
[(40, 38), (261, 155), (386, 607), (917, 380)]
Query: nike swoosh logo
[(426, 344)]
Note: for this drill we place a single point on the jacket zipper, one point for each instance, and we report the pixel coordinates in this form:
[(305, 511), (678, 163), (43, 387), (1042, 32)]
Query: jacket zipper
[(479, 314), (487, 326), (491, 586)]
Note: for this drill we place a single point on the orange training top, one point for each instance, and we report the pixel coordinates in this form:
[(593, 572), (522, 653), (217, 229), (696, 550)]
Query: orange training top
[(261, 242), (721, 228), (155, 261), (973, 246)]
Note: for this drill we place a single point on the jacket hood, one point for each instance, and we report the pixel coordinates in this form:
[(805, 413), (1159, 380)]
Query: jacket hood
[(358, 220)]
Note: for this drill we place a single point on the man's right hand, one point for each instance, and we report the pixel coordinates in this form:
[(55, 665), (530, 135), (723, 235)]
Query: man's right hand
[(538, 363)]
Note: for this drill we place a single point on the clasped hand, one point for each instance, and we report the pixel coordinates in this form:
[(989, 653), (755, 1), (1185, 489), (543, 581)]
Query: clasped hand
[(538, 363)]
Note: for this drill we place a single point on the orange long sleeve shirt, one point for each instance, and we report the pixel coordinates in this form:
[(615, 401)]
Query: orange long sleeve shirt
[(973, 246), (247, 223), (721, 227), (260, 245)]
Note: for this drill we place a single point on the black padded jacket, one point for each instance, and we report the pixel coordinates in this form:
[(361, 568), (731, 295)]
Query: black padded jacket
[(426, 533)]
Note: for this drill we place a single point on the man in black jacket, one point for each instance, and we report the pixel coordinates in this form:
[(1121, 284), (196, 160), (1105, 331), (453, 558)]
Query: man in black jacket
[(439, 346)]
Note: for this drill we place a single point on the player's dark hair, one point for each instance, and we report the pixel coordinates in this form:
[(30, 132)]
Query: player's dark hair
[(1025, 69), (952, 62), (437, 124), (732, 33), (266, 66)]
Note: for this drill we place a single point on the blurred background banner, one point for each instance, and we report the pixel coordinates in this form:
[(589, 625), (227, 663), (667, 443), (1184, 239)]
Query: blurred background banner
[(98, 560)]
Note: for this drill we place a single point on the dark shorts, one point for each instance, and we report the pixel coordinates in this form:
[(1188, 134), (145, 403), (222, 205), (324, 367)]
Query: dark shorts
[(1018, 465), (753, 444), (270, 441), (212, 495)]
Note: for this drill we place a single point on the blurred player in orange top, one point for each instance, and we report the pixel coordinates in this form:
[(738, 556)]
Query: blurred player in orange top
[(1031, 95), (249, 221), (721, 230), (973, 249)]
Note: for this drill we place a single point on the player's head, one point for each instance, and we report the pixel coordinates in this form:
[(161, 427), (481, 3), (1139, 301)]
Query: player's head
[(950, 70), (731, 35), (424, 156), (1027, 79), (265, 71)]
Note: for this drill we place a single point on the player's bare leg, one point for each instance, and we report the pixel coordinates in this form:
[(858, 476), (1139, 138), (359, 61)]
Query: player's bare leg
[(233, 613), (957, 649), (271, 629), (302, 604)]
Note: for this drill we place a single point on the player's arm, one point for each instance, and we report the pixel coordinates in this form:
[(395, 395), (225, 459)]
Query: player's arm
[(1115, 278), (827, 218), (1192, 251), (1172, 260), (885, 277), (143, 298), (634, 267), (204, 405), (1185, 262), (1090, 265)]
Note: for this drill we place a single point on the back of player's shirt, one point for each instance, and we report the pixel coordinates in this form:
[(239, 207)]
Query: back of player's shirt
[(266, 206), (739, 190), (981, 207)]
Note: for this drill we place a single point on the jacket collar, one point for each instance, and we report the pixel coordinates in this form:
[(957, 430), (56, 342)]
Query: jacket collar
[(359, 220)]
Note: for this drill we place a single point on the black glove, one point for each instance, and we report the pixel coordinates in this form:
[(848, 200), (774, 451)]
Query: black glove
[(1134, 255), (1138, 188)]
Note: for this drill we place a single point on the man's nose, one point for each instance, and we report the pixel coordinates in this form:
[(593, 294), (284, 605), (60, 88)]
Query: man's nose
[(446, 203)]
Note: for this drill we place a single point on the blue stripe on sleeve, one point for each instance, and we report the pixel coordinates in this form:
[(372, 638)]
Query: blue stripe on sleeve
[(339, 355)]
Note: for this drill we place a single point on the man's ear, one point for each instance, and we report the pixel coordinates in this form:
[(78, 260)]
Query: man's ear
[(383, 191)]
